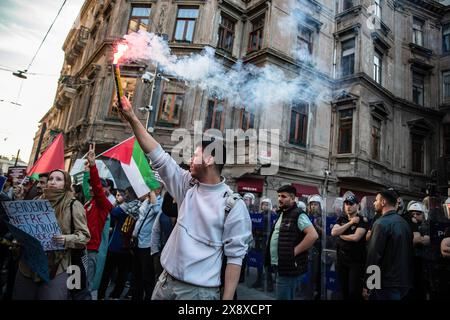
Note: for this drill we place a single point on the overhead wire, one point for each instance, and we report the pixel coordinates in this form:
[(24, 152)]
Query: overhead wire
[(22, 72), (45, 37)]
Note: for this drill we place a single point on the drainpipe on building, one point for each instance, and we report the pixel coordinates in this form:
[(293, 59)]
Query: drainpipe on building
[(327, 173), (334, 59)]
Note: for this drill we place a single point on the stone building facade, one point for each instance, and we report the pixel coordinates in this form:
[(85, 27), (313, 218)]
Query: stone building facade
[(381, 116)]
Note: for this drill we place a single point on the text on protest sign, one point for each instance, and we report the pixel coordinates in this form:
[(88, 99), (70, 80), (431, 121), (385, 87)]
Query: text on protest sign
[(37, 218)]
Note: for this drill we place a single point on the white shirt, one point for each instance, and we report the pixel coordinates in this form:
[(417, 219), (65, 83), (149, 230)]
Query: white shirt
[(194, 250)]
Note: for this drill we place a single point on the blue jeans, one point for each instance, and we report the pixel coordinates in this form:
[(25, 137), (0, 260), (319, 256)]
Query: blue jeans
[(92, 267), (287, 286)]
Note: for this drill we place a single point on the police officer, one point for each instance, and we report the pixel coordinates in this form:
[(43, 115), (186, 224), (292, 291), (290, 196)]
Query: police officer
[(350, 230), (315, 254), (421, 239), (262, 228), (249, 200), (301, 205)]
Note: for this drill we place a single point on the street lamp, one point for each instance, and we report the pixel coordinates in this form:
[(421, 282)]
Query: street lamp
[(327, 174), (20, 74)]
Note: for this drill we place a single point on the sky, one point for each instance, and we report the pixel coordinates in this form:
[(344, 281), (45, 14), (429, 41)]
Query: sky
[(23, 24)]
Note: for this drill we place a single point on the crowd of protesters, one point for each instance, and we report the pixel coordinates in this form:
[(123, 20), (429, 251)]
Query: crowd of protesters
[(92, 217), (132, 233), (193, 238)]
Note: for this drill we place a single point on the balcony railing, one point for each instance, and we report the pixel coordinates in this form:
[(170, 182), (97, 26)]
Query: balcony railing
[(69, 81), (81, 39)]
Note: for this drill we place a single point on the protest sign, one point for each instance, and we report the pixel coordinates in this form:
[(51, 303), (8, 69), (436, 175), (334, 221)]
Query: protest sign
[(18, 174), (78, 178), (32, 253), (37, 218)]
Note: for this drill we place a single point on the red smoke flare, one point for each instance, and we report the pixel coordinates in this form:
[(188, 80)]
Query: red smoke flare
[(121, 48)]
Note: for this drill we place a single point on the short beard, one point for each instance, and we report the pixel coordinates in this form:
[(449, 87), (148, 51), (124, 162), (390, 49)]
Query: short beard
[(352, 213)]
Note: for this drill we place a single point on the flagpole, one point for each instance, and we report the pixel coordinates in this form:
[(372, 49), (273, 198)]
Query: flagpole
[(17, 158), (84, 155), (114, 146)]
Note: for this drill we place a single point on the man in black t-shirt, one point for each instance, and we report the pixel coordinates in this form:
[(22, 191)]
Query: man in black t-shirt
[(351, 250)]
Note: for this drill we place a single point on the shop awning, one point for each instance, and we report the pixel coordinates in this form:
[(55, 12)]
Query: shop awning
[(305, 190), (250, 185)]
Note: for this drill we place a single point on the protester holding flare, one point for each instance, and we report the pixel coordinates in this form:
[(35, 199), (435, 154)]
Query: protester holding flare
[(205, 233)]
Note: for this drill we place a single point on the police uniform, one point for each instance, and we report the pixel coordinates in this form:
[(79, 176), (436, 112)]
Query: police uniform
[(351, 258)]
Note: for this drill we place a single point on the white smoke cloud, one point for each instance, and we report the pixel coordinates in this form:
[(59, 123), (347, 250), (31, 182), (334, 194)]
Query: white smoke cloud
[(241, 85)]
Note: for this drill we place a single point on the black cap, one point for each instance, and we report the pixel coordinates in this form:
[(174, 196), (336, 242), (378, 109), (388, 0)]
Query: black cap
[(350, 198)]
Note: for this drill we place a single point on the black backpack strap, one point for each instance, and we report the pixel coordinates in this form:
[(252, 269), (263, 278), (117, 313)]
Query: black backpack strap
[(143, 221)]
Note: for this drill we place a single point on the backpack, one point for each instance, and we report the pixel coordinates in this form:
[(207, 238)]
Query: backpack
[(127, 231), (132, 211)]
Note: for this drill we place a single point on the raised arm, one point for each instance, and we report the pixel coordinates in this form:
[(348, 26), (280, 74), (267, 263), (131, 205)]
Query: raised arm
[(99, 195), (176, 180), (146, 141)]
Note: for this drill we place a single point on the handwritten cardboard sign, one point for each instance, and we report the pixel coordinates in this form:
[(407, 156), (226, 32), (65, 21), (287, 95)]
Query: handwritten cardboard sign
[(37, 218), (32, 253)]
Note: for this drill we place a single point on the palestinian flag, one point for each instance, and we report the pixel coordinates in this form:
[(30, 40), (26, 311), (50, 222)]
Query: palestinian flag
[(129, 167)]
